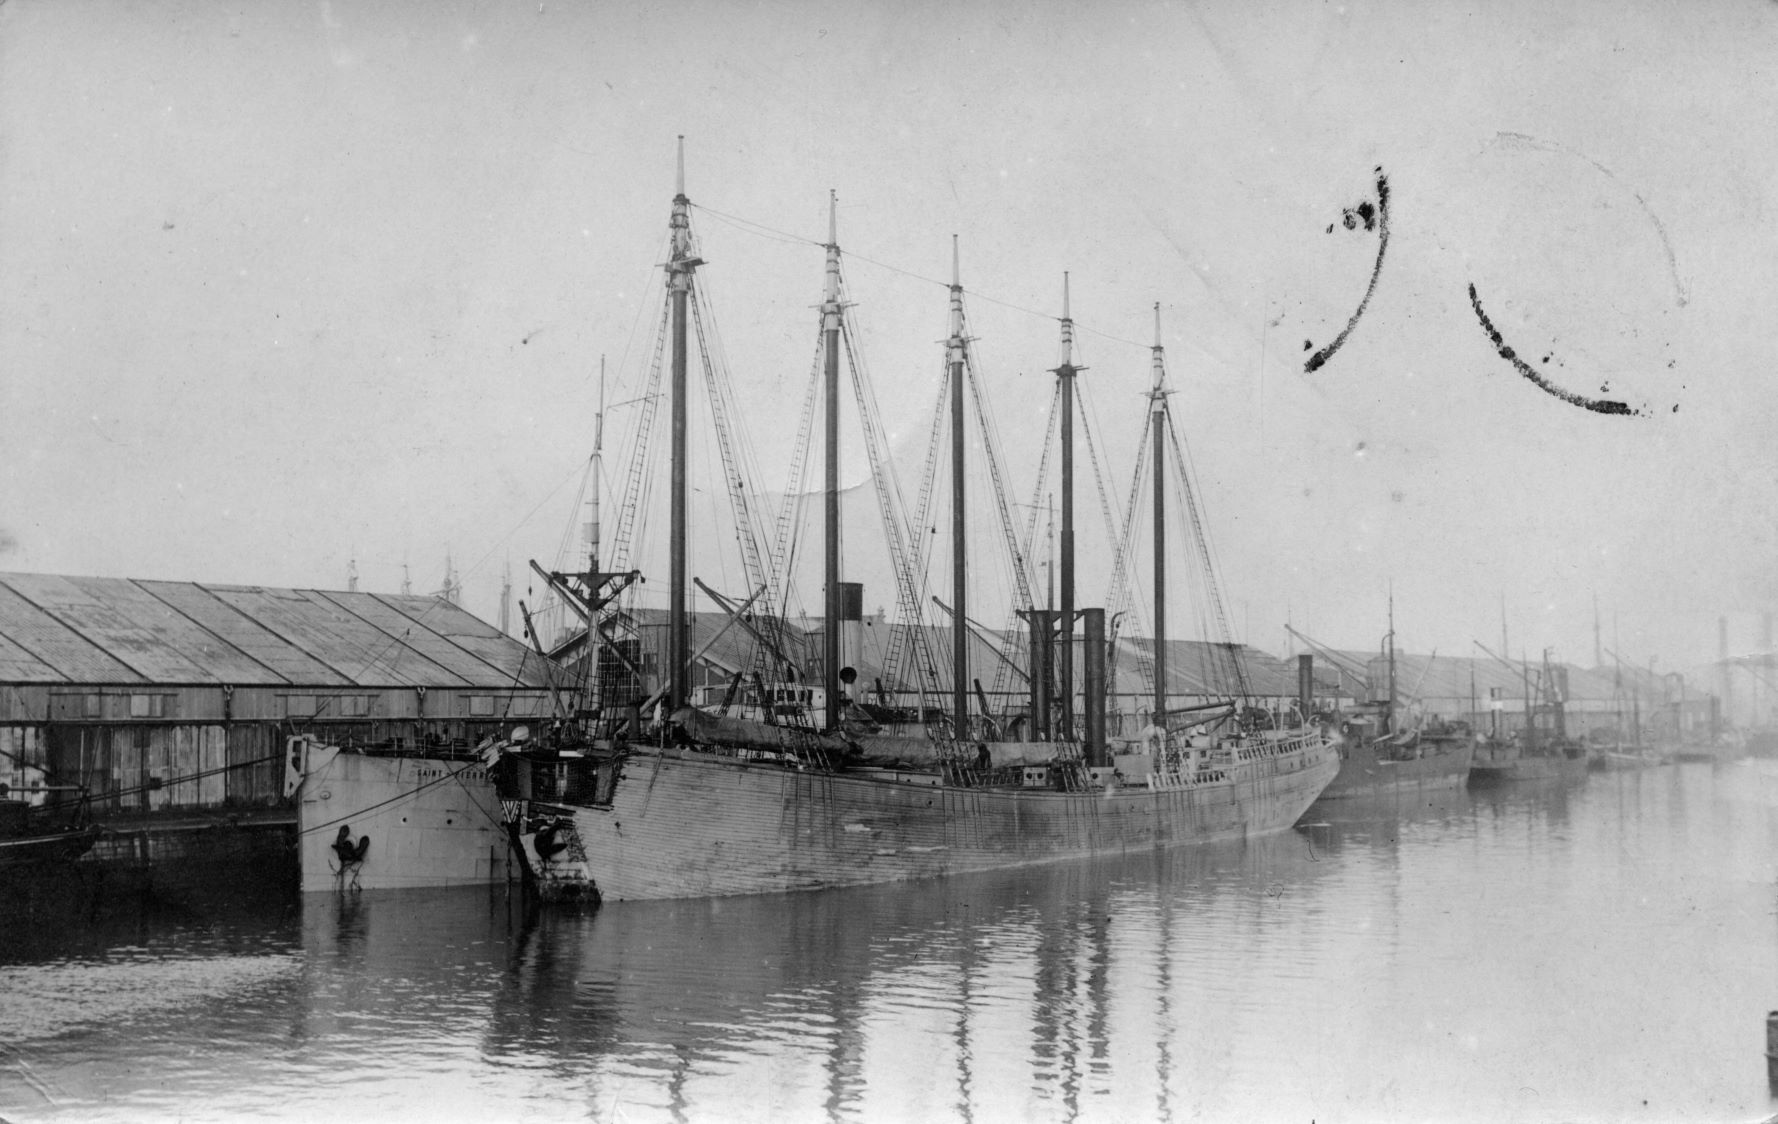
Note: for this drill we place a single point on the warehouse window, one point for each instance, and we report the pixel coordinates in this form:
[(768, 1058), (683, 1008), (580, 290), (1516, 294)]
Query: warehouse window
[(354, 706), (148, 706), (481, 706), (95, 706), (299, 706)]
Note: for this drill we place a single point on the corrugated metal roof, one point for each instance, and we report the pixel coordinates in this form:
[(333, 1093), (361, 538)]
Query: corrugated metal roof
[(77, 659), (513, 661), (415, 630), (284, 662), (148, 635), (19, 666), (56, 629), (349, 644)]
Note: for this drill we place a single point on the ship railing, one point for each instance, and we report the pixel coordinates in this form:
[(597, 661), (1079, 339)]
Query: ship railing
[(1169, 779), (1280, 748)]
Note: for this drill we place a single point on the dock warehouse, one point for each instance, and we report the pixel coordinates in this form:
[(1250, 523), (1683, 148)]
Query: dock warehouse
[(168, 699)]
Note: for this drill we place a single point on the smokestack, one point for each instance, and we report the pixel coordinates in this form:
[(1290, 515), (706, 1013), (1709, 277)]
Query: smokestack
[(1040, 620), (1093, 626), (1305, 686), (851, 625)]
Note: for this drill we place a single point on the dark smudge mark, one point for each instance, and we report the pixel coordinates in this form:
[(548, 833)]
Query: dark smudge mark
[(8, 543), (1597, 405), (1365, 213), (1379, 218), (1307, 345)]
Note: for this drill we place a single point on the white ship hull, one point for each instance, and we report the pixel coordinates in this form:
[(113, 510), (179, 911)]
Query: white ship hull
[(430, 822)]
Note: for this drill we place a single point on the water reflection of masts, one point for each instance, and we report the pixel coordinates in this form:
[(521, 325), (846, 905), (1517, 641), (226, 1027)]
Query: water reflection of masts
[(1058, 984), (845, 1054), (965, 1078), (1051, 980), (1164, 979), (1098, 973)]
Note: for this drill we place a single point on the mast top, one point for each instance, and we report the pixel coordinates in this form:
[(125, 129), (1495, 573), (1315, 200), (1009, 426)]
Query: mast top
[(1158, 396), (956, 270), (682, 261), (1067, 367), (831, 307)]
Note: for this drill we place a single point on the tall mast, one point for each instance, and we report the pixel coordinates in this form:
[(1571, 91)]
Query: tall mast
[(595, 583), (955, 355), (1065, 651), (592, 526), (1389, 715), (1599, 658), (1530, 711), (680, 267), (830, 327), (1475, 713), (1157, 422)]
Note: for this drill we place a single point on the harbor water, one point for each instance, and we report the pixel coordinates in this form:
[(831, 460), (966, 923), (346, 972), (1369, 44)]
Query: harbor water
[(1601, 950)]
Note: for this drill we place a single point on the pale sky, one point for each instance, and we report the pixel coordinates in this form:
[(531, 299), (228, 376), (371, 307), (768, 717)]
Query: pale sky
[(286, 286)]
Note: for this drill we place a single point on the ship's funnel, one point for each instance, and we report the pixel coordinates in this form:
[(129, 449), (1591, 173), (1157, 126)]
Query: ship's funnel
[(1305, 686), (851, 625)]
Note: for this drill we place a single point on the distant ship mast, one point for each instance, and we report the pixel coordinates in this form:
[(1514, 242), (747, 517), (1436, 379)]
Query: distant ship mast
[(1157, 408), (831, 310), (681, 265), (1065, 373), (956, 355)]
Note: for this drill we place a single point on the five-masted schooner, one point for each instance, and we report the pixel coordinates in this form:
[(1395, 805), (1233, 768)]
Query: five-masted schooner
[(676, 808)]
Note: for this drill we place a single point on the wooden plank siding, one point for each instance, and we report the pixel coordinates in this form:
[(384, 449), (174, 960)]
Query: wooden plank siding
[(23, 762), (23, 703)]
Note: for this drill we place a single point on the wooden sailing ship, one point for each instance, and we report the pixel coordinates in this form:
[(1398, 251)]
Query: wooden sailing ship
[(649, 796), (679, 816)]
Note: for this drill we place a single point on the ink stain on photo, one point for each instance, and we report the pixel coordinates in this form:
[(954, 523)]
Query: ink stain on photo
[(1522, 141), (1597, 405), (1371, 216)]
